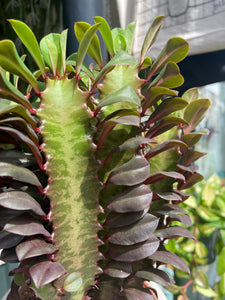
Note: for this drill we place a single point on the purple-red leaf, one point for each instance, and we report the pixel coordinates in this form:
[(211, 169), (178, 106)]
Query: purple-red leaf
[(156, 275), (167, 257), (135, 199), (169, 196), (115, 220), (184, 219), (165, 146), (135, 294), (34, 247), (24, 225), (9, 256), (18, 173), (162, 175), (134, 172), (18, 135), (118, 269), (191, 179), (191, 156), (134, 252), (45, 272), (9, 240), (174, 232), (19, 200), (135, 233)]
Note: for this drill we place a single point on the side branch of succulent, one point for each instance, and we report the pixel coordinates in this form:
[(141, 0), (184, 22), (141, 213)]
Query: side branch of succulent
[(93, 164)]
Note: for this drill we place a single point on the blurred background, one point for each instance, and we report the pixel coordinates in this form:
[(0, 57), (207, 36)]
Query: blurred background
[(200, 22)]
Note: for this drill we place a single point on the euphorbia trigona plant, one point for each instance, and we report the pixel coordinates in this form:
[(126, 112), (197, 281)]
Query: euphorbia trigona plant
[(93, 161)]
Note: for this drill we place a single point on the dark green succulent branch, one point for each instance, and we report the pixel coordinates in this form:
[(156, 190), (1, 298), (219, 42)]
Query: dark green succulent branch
[(93, 164)]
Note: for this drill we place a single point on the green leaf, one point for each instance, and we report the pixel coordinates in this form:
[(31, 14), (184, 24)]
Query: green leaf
[(201, 250), (220, 263), (120, 43), (9, 91), (169, 76), (191, 94), (175, 50), (29, 40), (92, 47), (206, 229), (151, 36), (72, 60), (206, 214), (129, 35), (126, 94), (193, 138), (208, 292), (85, 41), (11, 62), (200, 278), (222, 284), (63, 41), (106, 34), (194, 113), (72, 282), (121, 58)]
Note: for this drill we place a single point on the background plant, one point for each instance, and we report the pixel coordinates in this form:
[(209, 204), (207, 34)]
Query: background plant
[(93, 163), (205, 206)]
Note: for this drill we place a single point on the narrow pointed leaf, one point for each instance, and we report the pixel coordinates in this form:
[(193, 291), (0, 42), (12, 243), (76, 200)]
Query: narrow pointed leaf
[(25, 226), (134, 252), (106, 34), (9, 240), (169, 77), (21, 124), (192, 138), (170, 258), (175, 50), (63, 41), (165, 146), (18, 173), (135, 233), (19, 111), (151, 36), (11, 62), (169, 196), (167, 107), (135, 199), (126, 94), (89, 42), (184, 219), (53, 55), (174, 232), (20, 201), (162, 175), (190, 181), (20, 136), (191, 156), (45, 272), (131, 173), (30, 42), (164, 125), (155, 93), (195, 112), (120, 43), (10, 92), (156, 275), (129, 35), (33, 248)]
